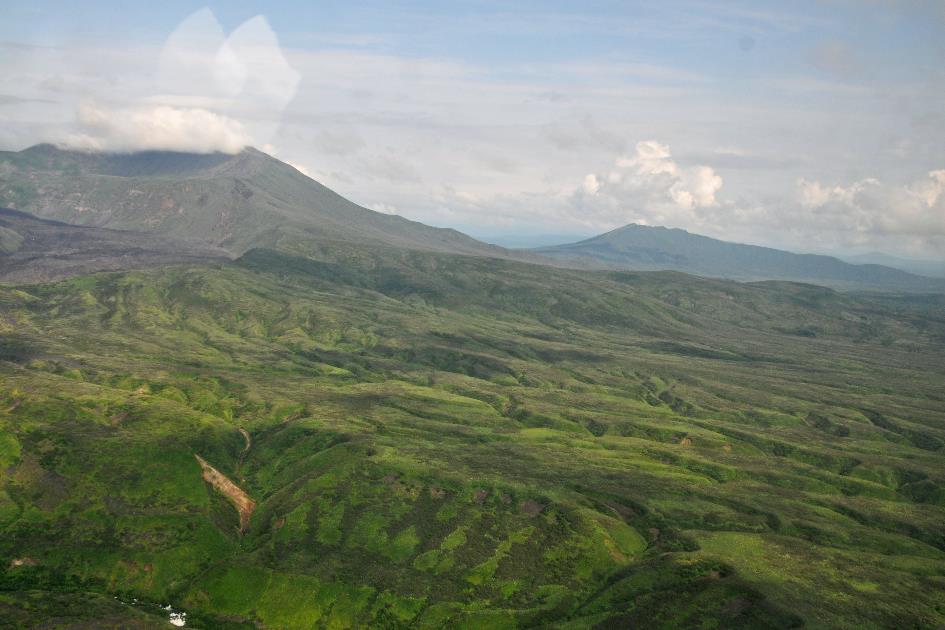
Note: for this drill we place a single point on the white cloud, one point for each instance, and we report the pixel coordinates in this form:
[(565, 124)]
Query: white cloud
[(868, 210), (156, 128), (931, 189), (651, 158), (211, 93), (813, 194), (703, 183), (650, 185), (591, 184)]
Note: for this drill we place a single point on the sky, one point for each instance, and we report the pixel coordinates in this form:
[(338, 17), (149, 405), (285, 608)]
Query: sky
[(810, 126)]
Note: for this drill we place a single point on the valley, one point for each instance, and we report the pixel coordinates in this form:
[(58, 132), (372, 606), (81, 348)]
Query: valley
[(442, 440)]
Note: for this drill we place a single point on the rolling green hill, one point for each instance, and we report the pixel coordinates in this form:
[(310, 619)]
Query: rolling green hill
[(437, 441), (657, 248), (233, 201)]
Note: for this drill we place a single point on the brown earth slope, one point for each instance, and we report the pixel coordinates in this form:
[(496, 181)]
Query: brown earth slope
[(222, 484)]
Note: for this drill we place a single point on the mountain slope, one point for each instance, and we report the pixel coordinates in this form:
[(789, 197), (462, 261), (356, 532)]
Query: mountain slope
[(658, 248), (235, 201), (38, 250)]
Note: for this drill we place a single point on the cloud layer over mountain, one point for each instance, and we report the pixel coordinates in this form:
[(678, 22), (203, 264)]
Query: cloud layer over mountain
[(210, 93)]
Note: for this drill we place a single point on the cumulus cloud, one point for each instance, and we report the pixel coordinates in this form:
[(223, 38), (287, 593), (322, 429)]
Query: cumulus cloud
[(591, 184), (651, 159), (813, 194), (869, 209), (699, 186), (156, 128), (930, 190), (650, 186), (211, 93)]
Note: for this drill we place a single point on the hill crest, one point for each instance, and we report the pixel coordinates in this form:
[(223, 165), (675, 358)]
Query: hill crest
[(238, 202), (650, 248)]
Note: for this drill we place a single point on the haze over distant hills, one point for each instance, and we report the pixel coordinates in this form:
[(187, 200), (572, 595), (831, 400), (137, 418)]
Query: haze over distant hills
[(930, 268), (642, 247)]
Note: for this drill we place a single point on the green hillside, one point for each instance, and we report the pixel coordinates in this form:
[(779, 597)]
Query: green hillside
[(446, 441)]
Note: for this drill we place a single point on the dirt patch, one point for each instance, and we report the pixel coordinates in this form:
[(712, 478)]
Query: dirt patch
[(437, 493), (654, 534), (727, 448), (480, 495), (221, 483)]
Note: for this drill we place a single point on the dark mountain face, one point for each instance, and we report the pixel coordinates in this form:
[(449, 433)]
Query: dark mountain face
[(655, 248), (35, 250), (236, 201)]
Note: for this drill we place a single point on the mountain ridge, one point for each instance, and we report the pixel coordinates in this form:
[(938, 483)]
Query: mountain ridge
[(248, 200), (238, 202), (650, 248)]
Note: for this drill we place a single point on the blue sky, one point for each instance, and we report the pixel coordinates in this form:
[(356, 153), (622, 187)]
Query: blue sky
[(808, 125), (894, 37)]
